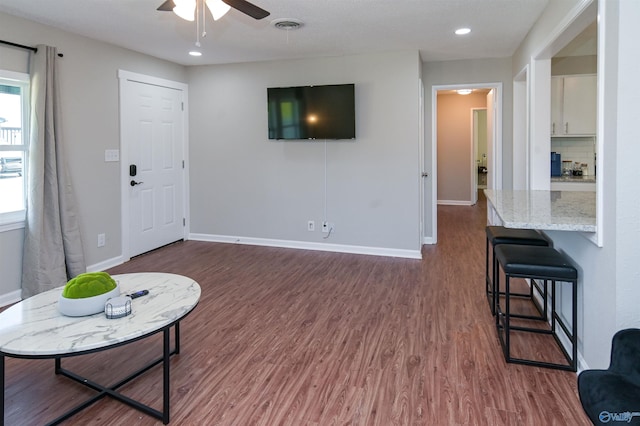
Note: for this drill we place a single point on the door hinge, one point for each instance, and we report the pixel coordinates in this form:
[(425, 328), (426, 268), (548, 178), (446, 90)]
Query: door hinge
[(183, 164), (184, 222), (182, 105)]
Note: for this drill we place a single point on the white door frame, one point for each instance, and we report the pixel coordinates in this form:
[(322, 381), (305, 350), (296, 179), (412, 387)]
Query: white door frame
[(123, 77), (521, 130), (494, 177), (423, 173), (474, 153)]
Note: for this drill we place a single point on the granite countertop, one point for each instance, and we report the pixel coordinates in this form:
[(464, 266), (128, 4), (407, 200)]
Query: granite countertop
[(545, 210), (574, 179)]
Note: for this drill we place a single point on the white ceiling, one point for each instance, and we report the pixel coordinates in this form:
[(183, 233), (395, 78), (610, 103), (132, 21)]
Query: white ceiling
[(331, 28)]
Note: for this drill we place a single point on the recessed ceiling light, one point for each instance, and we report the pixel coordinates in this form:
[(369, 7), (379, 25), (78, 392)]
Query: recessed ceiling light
[(463, 31), (195, 53), (464, 91)]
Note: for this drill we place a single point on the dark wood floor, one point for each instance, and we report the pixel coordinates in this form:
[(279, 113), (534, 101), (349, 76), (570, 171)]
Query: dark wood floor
[(293, 337)]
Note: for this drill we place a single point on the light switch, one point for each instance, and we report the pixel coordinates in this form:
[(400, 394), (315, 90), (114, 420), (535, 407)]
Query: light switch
[(111, 155)]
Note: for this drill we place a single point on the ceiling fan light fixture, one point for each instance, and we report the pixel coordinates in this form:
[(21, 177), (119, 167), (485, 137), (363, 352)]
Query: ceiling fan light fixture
[(186, 9), (195, 53), (217, 8)]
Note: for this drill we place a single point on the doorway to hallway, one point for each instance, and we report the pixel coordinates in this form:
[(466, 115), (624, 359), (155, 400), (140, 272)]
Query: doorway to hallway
[(454, 156)]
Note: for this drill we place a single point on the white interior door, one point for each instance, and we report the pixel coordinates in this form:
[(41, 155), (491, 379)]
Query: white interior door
[(153, 141)]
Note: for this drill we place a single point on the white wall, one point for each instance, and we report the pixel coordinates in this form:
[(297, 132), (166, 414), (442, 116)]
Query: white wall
[(89, 91), (246, 187), (608, 290), (627, 151)]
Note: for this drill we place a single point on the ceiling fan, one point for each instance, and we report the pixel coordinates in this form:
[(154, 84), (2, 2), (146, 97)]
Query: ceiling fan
[(241, 5)]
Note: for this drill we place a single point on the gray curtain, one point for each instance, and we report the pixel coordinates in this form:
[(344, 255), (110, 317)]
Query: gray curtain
[(52, 245)]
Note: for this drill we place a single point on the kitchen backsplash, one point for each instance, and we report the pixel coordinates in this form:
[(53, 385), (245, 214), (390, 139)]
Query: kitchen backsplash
[(580, 149)]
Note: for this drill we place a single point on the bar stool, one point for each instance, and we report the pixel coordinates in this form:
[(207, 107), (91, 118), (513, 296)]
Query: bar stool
[(497, 235), (542, 263)]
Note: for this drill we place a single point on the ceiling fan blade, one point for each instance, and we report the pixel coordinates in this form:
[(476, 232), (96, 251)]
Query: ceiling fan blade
[(248, 8), (167, 6)]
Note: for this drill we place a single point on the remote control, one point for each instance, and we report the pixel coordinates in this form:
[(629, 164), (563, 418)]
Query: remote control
[(138, 294)]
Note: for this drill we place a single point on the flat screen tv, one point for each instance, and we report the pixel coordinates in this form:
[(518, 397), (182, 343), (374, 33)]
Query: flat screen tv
[(312, 112)]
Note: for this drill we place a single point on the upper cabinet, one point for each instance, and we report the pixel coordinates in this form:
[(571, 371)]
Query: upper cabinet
[(573, 105)]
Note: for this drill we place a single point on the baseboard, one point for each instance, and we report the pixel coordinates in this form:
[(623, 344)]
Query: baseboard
[(582, 364), (303, 245), (10, 298), (106, 264), (454, 203), (428, 240)]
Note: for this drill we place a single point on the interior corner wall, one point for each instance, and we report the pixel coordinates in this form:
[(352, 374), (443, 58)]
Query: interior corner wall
[(455, 124), (246, 186), (90, 105)]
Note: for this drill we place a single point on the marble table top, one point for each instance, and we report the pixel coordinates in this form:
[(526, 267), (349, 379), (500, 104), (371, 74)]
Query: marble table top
[(545, 210), (35, 327)]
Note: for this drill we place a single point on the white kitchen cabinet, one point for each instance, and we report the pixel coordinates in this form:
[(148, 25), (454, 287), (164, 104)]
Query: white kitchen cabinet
[(557, 84), (573, 105)]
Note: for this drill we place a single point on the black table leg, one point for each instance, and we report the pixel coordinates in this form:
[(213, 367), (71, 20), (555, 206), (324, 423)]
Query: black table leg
[(1, 390), (177, 342), (165, 364), (103, 391), (111, 391)]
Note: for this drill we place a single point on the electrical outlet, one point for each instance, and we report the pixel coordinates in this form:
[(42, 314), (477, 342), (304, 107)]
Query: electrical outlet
[(101, 240), (327, 227), (311, 226), (111, 155)]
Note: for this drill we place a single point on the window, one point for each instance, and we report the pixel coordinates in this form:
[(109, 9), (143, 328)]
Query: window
[(14, 100)]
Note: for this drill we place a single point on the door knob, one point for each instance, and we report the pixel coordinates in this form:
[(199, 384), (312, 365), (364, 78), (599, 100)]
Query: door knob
[(134, 183)]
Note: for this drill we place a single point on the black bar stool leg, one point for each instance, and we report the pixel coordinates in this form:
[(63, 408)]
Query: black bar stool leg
[(507, 315), (574, 328), (1, 390)]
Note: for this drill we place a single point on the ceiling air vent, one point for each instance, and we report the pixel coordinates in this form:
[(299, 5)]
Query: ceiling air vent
[(287, 24)]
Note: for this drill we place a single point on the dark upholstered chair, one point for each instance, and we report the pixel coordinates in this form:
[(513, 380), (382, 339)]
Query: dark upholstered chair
[(612, 396)]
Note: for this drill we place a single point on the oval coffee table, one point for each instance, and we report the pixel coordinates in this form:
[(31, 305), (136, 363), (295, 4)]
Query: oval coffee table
[(34, 328)]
